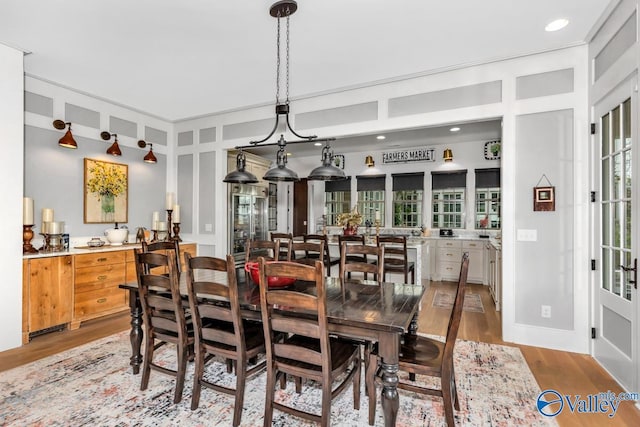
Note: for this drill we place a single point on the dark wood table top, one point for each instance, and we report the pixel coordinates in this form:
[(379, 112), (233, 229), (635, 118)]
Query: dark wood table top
[(386, 308)]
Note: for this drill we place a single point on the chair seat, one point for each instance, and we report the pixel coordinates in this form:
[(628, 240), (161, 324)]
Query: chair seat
[(253, 335), (394, 267), (424, 352), (341, 352)]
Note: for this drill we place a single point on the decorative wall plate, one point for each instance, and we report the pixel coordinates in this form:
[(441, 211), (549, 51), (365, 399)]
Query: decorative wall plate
[(492, 150)]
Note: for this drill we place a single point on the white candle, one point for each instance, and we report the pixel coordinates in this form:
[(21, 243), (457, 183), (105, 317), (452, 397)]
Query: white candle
[(162, 226), (56, 227), (156, 217), (45, 227), (325, 210), (377, 215), (47, 215), (169, 201), (176, 214), (27, 211)]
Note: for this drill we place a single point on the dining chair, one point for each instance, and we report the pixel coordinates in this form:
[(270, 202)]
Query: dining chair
[(395, 257), (328, 260), (427, 356), (307, 351), (218, 326), (355, 259), (262, 248), (283, 255), (163, 316), (164, 248), (356, 239), (307, 252)]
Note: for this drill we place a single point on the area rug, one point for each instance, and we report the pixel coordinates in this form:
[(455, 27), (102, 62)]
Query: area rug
[(93, 385), (444, 299)]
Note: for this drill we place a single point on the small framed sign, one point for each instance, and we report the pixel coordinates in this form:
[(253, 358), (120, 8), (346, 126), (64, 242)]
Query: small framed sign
[(544, 198)]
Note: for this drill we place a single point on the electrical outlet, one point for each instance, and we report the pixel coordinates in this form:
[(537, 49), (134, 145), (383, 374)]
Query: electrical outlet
[(545, 311)]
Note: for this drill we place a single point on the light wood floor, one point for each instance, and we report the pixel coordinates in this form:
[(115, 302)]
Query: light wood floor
[(568, 373)]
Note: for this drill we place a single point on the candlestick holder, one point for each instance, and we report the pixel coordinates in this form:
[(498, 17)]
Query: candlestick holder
[(169, 213), (377, 224), (46, 244), (176, 231), (27, 235), (155, 236)]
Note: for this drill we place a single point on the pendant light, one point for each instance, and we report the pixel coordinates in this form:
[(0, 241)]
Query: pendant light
[(114, 150), (150, 157), (240, 175), (327, 172), (67, 140), (280, 9)]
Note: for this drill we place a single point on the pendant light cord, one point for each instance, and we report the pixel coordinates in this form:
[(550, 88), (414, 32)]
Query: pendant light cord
[(287, 50)]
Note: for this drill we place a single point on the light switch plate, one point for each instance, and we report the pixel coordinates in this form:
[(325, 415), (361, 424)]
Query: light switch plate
[(523, 235)]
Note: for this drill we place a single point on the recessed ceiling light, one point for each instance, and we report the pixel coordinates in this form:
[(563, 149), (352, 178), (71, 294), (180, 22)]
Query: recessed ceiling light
[(317, 144), (380, 137), (556, 25), (455, 129)]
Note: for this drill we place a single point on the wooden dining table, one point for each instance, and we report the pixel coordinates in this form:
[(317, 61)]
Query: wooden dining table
[(362, 310)]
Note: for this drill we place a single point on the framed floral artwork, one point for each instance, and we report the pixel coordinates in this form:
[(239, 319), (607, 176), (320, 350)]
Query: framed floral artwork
[(106, 186)]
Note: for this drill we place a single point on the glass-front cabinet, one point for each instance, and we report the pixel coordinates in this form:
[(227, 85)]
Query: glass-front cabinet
[(248, 217)]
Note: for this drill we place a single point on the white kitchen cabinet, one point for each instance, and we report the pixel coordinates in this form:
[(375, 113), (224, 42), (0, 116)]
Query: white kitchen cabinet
[(475, 248), (448, 257), (495, 275)]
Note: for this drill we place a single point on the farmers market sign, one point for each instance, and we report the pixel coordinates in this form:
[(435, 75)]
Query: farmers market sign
[(409, 155)]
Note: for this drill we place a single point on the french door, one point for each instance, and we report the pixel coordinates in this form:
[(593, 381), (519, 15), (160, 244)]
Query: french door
[(615, 289)]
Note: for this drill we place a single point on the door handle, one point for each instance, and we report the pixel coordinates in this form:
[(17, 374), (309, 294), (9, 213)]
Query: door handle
[(626, 269)]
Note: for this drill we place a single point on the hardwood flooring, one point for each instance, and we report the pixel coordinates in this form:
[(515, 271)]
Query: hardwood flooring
[(568, 373)]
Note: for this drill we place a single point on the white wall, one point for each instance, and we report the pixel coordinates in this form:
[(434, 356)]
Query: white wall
[(11, 135)]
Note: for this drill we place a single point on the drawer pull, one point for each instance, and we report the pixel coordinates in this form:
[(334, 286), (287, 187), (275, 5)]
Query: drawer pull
[(449, 268), (101, 300), (101, 259), (449, 254), (102, 277)]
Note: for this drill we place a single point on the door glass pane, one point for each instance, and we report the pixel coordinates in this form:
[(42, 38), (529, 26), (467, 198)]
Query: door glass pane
[(616, 223), (605, 179), (627, 174), (606, 269), (615, 129), (617, 273), (606, 215), (626, 122), (617, 176), (605, 135), (627, 225)]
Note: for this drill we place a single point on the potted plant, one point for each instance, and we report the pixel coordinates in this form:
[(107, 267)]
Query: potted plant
[(495, 149), (350, 221)]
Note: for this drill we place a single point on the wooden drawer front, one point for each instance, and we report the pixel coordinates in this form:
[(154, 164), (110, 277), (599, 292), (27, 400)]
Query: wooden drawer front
[(102, 258), (130, 255), (449, 255), (90, 278), (472, 244), (449, 243), (91, 302)]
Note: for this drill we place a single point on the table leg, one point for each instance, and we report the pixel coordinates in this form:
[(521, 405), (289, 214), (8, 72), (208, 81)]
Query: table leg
[(388, 350), (413, 330), (136, 334)]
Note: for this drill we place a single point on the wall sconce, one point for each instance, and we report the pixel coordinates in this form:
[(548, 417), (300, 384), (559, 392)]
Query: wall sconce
[(448, 155), (150, 157), (114, 150), (67, 140), (369, 161)]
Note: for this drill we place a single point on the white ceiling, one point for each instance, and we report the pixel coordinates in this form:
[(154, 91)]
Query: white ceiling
[(181, 59)]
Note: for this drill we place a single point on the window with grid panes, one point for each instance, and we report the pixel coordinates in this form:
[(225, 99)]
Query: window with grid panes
[(487, 214), (371, 192), (407, 199), (337, 199), (448, 199)]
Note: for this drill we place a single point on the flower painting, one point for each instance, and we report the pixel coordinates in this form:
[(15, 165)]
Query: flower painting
[(105, 192)]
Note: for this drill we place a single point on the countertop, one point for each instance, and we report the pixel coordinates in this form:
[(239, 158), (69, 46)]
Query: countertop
[(79, 250)]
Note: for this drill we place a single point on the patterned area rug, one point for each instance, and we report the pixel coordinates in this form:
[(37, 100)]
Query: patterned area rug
[(444, 299), (93, 385)]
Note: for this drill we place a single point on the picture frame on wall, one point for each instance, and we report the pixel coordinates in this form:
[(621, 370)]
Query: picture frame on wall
[(106, 192), (544, 199)]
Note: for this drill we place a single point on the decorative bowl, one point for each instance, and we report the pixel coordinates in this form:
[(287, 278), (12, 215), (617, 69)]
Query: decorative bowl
[(116, 236), (273, 281), (95, 243)]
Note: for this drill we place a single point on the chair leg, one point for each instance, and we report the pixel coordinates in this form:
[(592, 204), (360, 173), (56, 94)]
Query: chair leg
[(370, 383), (148, 359), (268, 404), (356, 382), (197, 378), (447, 400), (326, 404), (181, 372), (298, 382), (241, 379)]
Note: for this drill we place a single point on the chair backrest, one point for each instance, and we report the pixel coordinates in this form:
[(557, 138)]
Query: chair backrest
[(456, 312), (395, 250), (214, 323), (265, 248), (284, 238), (162, 310), (289, 301), (319, 238), (357, 253), (164, 247), (307, 252)]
